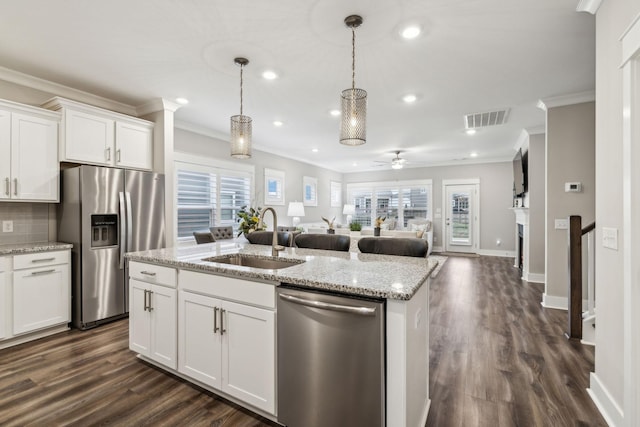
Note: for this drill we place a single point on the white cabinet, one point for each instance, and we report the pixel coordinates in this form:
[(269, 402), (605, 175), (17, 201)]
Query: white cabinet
[(41, 291), (153, 313), (96, 136), (5, 297), (228, 345), (28, 153)]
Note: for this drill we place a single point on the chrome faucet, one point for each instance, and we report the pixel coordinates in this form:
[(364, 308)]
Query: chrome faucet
[(275, 247)]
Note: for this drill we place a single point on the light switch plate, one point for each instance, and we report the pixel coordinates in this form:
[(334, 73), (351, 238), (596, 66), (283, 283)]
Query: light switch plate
[(610, 238), (7, 226), (562, 224)]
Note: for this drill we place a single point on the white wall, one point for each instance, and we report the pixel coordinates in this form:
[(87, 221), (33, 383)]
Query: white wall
[(570, 154), (613, 17), (497, 221), (207, 146)]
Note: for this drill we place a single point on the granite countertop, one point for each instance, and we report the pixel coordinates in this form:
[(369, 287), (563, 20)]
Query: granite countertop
[(25, 248), (382, 276)]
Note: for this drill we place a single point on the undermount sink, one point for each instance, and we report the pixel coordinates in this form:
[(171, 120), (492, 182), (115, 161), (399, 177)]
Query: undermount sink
[(255, 262)]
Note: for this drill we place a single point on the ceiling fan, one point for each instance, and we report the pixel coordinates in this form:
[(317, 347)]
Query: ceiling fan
[(396, 163)]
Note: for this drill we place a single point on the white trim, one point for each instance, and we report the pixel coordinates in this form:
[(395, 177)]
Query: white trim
[(158, 104), (476, 229), (522, 139), (570, 99), (536, 130), (536, 278), (492, 252), (437, 249), (274, 175), (201, 130), (212, 162), (462, 181), (64, 91), (610, 410), (558, 303), (590, 6), (385, 184)]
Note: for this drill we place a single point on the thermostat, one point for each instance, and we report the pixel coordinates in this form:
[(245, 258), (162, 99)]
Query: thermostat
[(572, 187)]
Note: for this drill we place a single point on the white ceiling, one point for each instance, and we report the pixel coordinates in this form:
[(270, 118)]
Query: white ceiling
[(473, 56)]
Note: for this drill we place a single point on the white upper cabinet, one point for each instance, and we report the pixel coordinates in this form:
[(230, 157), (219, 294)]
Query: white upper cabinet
[(92, 135), (28, 153)]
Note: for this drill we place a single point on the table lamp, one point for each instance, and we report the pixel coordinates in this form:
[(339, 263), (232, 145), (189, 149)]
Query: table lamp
[(349, 210), (296, 210)]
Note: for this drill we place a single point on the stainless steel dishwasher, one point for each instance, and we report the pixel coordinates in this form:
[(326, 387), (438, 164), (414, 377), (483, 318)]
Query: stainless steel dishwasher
[(331, 359)]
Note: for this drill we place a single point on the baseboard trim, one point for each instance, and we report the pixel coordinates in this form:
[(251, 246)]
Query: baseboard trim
[(491, 252), (559, 303), (438, 249), (609, 409), (535, 278)]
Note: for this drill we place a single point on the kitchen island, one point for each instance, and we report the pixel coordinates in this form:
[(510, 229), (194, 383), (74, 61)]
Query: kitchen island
[(181, 289)]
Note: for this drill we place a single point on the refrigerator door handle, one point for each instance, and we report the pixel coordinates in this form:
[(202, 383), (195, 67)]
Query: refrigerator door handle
[(129, 247), (123, 229)]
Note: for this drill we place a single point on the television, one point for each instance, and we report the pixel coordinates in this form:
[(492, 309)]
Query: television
[(520, 169)]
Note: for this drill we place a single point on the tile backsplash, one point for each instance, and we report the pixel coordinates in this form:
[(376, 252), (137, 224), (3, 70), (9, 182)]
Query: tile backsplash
[(32, 222)]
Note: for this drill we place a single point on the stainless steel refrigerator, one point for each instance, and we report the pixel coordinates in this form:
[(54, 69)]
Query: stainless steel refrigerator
[(106, 212)]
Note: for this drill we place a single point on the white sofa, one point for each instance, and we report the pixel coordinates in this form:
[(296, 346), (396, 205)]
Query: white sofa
[(422, 228)]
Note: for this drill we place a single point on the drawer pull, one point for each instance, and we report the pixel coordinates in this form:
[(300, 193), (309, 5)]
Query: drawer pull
[(43, 260), (7, 189), (215, 320), (37, 273), (15, 188), (148, 273), (222, 329)]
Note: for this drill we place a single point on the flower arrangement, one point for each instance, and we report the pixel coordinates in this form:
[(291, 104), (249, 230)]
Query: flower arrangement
[(249, 219), (329, 223), (380, 220)]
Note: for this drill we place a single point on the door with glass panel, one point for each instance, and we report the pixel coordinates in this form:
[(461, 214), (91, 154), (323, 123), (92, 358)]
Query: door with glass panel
[(460, 218)]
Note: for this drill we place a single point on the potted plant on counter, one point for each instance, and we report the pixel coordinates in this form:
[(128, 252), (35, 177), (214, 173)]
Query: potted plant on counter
[(379, 221), (331, 230), (249, 219)]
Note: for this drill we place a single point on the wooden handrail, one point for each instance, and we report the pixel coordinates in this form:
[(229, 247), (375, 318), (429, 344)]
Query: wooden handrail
[(589, 228)]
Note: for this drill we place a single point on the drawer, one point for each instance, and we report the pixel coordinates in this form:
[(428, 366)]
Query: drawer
[(229, 288), (152, 273), (40, 259)]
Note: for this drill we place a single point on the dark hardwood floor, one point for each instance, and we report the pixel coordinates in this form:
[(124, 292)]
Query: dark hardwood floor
[(497, 359)]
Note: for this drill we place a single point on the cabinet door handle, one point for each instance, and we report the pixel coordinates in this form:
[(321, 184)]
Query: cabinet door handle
[(7, 186), (43, 259), (145, 300), (109, 154), (15, 186), (215, 320), (37, 273), (222, 329), (118, 155), (148, 273), (150, 308)]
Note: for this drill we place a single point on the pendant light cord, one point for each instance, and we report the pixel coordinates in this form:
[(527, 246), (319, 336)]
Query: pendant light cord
[(241, 68), (353, 59)]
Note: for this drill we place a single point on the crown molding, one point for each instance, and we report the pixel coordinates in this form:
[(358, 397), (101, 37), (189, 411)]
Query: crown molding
[(200, 130), (158, 104), (571, 99), (536, 130), (590, 6), (522, 139), (63, 91)]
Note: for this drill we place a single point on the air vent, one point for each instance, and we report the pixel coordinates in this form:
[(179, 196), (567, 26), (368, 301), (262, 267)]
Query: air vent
[(489, 118)]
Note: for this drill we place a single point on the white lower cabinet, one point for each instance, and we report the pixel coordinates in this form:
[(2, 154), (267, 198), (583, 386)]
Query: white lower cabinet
[(41, 291), (4, 297), (227, 345), (152, 322)]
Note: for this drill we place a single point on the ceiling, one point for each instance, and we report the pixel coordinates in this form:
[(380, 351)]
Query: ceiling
[(472, 56)]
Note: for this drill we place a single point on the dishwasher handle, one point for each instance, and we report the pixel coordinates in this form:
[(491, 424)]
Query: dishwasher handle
[(363, 311)]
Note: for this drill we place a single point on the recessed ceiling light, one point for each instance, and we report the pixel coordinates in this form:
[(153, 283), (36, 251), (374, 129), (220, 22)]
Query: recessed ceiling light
[(334, 113), (470, 131), (474, 154), (269, 75), (315, 150), (355, 164), (277, 123), (182, 101), (411, 32), (409, 98)]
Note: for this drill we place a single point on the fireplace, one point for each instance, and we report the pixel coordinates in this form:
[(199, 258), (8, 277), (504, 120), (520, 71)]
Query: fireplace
[(521, 260), (520, 253)]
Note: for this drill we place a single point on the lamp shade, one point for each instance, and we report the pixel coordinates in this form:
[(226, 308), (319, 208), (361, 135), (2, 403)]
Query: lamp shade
[(241, 137), (349, 209), (295, 209)]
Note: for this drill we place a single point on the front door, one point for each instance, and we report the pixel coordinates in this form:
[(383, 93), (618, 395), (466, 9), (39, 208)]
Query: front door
[(461, 219)]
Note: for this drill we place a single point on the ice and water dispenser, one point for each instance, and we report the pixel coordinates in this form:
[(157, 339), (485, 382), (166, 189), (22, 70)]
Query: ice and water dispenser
[(104, 230)]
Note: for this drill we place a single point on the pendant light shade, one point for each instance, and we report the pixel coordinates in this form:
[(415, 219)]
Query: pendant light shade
[(353, 126), (241, 131)]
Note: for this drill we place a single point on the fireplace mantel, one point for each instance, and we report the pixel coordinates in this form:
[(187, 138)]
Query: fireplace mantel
[(522, 215), (522, 219)]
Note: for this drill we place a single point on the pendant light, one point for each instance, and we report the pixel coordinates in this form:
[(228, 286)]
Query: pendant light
[(353, 126), (241, 125)]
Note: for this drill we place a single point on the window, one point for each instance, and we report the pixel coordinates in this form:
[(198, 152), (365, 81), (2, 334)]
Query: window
[(273, 187), (399, 201), (209, 196)]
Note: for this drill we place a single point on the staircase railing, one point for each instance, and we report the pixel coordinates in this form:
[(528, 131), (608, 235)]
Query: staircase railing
[(575, 275)]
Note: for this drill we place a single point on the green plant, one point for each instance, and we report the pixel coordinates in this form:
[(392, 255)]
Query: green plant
[(249, 219), (329, 223), (355, 226)]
